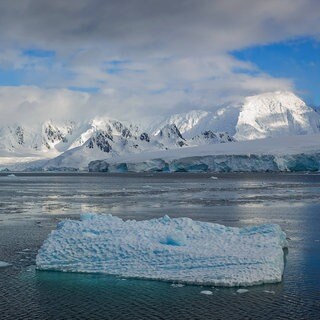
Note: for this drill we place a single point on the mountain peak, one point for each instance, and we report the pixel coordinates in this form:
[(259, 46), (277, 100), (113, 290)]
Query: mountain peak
[(170, 134), (275, 114), (285, 98)]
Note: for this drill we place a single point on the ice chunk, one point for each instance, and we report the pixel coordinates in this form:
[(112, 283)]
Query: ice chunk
[(178, 250), (269, 291), (4, 264), (207, 292), (177, 285), (242, 290)]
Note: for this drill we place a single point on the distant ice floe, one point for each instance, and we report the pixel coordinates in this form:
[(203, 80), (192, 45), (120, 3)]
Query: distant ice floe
[(178, 250), (206, 292), (177, 285), (4, 264), (269, 291), (242, 290)]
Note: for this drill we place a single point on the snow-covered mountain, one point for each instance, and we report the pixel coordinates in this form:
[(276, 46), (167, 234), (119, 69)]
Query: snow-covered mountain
[(260, 116), (71, 144), (171, 135), (48, 137), (107, 139), (195, 122), (275, 114), (75, 145)]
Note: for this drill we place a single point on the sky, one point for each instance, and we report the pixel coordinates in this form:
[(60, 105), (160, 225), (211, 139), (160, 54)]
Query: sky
[(144, 59)]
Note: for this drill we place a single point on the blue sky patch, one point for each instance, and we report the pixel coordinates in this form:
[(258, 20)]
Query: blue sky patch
[(11, 77), (85, 89), (296, 60), (39, 53)]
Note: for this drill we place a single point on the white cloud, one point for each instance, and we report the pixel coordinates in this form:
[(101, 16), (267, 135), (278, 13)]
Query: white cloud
[(175, 53)]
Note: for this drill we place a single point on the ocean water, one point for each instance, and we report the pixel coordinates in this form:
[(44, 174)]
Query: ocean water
[(32, 204)]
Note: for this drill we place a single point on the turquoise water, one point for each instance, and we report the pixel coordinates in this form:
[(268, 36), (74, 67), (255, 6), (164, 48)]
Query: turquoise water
[(31, 205)]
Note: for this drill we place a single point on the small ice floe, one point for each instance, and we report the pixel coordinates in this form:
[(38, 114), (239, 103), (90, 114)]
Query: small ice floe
[(269, 291), (242, 290), (4, 264), (177, 285), (214, 178), (207, 292)]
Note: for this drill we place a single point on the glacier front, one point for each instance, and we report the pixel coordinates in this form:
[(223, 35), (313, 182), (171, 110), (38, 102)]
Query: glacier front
[(168, 249), (281, 154)]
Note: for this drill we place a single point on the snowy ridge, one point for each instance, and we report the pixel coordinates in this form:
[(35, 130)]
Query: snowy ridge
[(44, 138), (184, 121), (167, 249), (195, 122)]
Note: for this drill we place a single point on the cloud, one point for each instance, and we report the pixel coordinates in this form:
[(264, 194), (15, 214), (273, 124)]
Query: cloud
[(164, 26), (139, 57), (31, 104)]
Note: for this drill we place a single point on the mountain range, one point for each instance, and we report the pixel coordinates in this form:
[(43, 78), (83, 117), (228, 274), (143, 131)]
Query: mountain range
[(61, 145)]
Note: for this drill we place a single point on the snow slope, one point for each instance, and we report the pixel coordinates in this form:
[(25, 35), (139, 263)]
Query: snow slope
[(167, 249)]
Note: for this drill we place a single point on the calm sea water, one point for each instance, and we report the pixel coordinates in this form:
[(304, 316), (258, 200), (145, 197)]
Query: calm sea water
[(31, 205)]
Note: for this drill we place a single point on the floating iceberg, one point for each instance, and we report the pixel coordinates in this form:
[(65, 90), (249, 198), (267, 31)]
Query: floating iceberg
[(179, 250)]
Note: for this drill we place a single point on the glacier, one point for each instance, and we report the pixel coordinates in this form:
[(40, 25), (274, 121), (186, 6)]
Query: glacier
[(170, 249), (218, 163), (278, 154)]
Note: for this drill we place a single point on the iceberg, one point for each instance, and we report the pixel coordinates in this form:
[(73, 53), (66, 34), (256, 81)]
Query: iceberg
[(178, 250)]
